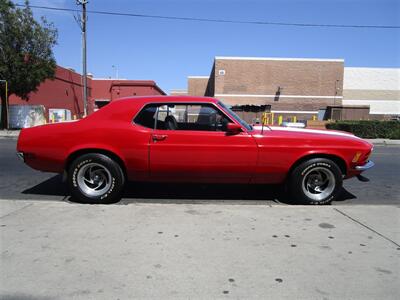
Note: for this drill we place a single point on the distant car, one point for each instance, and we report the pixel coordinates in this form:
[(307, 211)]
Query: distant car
[(190, 139)]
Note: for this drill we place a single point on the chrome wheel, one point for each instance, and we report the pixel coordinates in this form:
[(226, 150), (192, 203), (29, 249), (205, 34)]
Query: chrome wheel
[(318, 183), (94, 179)]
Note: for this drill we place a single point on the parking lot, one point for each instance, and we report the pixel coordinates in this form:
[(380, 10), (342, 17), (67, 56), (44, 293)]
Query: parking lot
[(198, 241)]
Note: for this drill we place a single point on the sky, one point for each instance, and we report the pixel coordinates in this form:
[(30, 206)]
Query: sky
[(168, 51)]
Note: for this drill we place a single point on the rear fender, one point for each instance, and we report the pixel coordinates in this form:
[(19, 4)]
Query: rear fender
[(94, 148)]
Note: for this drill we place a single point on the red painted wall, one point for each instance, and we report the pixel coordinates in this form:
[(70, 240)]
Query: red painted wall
[(113, 89), (65, 91)]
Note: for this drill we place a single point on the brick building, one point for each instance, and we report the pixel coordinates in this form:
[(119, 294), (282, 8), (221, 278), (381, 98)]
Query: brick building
[(106, 90), (300, 87), (178, 92), (65, 93), (197, 85)]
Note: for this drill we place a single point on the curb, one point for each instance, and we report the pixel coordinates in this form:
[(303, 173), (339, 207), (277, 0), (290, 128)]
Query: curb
[(383, 142), (9, 133)]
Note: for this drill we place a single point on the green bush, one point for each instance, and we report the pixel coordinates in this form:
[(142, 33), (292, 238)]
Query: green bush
[(395, 135), (369, 129)]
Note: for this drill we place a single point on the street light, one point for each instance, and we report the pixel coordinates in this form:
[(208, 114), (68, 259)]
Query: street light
[(2, 80), (116, 71)]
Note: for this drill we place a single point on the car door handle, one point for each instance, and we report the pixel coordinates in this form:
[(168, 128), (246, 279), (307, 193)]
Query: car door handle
[(159, 137)]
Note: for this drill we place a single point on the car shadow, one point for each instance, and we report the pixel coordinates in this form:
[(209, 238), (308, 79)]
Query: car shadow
[(182, 193), (53, 186)]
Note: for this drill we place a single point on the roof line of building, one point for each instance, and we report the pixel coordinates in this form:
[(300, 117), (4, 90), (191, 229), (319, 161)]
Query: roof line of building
[(100, 78), (375, 68), (159, 89), (279, 96), (278, 58), (137, 83)]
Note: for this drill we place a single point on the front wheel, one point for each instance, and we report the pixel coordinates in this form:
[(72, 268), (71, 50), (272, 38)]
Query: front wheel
[(316, 181), (95, 178)]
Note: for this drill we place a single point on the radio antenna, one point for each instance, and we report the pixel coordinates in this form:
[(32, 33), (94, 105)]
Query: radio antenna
[(263, 119)]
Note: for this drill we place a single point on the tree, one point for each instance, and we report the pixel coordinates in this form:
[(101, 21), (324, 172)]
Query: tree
[(26, 57)]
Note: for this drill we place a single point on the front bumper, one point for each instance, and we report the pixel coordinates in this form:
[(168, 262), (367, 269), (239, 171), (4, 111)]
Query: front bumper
[(368, 165)]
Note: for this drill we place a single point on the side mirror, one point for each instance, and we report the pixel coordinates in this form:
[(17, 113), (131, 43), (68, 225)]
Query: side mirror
[(233, 128)]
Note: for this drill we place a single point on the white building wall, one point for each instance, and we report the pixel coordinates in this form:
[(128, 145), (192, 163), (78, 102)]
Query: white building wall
[(377, 87), (371, 79)]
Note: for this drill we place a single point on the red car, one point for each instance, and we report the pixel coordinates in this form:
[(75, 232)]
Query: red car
[(190, 139)]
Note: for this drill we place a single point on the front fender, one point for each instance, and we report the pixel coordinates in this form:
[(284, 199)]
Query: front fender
[(275, 163), (335, 156)]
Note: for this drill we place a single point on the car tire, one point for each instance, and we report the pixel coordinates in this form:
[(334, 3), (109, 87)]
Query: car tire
[(317, 181), (95, 178)]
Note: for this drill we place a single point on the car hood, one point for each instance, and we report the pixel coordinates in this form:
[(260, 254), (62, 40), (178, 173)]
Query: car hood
[(307, 135), (312, 131)]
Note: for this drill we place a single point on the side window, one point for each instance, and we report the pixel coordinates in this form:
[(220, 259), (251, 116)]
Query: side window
[(147, 116), (201, 117)]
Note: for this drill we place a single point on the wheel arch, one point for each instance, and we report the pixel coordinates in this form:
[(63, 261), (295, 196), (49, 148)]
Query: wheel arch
[(75, 154), (339, 161)]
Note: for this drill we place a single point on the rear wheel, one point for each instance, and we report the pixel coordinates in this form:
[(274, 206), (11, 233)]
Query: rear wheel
[(95, 178), (316, 181)]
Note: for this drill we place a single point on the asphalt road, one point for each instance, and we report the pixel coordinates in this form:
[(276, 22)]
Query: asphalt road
[(18, 181)]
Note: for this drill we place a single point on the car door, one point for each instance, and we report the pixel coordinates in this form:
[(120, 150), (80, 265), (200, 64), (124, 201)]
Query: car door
[(190, 143)]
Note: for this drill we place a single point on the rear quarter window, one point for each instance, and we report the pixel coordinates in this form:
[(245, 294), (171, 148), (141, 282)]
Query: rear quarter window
[(146, 116)]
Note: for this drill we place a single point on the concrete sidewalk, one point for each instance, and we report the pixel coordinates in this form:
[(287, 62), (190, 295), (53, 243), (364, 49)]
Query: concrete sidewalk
[(61, 250)]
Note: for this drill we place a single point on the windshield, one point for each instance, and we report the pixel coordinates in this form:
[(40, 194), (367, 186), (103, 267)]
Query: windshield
[(235, 116)]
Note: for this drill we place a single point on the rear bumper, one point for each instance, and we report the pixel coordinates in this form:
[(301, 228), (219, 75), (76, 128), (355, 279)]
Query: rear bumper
[(21, 156), (368, 165)]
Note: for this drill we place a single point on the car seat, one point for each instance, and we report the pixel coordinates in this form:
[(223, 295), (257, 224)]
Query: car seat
[(171, 123)]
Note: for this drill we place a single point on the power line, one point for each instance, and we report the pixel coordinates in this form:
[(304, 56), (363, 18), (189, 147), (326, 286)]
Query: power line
[(213, 20)]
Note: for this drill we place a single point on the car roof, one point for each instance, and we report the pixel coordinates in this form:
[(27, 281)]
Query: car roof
[(125, 108), (167, 99)]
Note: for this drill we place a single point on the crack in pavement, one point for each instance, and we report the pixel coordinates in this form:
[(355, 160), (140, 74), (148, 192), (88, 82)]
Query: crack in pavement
[(366, 226), (16, 211)]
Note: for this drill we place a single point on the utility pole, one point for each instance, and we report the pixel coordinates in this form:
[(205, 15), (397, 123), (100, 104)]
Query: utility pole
[(83, 28)]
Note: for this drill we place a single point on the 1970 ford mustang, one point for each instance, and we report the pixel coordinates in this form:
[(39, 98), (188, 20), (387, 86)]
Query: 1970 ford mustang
[(190, 139)]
